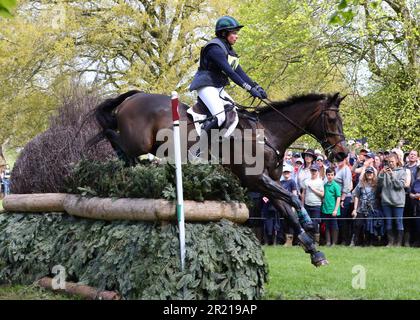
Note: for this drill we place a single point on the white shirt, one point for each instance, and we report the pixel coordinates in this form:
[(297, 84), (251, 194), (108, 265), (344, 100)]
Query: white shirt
[(311, 198)]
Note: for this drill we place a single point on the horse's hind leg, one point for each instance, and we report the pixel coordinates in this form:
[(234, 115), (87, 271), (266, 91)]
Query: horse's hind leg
[(115, 140), (282, 199)]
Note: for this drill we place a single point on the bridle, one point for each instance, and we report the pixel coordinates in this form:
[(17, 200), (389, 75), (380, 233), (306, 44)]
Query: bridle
[(326, 145)]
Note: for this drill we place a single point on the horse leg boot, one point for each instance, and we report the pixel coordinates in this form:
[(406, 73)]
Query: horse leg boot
[(307, 242), (281, 197)]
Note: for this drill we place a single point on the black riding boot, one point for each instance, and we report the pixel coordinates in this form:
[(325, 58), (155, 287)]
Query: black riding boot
[(207, 126)]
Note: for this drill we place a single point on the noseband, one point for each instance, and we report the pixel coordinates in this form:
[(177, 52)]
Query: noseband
[(328, 147)]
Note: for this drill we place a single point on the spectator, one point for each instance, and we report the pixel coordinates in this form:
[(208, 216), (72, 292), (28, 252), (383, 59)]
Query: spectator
[(296, 167), (365, 206), (322, 168), (391, 180), (415, 205), (304, 171), (5, 178), (312, 193), (288, 157), (290, 185), (344, 179), (377, 163), (410, 224), (331, 208), (358, 165), (272, 227)]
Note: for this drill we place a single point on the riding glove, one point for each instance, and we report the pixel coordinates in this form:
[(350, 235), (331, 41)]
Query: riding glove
[(261, 91), (255, 93)]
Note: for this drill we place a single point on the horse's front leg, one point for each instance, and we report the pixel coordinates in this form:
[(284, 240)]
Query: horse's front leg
[(282, 200)]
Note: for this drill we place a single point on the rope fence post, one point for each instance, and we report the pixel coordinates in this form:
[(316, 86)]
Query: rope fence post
[(179, 187)]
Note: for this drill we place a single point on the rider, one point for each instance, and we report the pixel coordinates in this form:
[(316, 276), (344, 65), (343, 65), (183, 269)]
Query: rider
[(218, 63)]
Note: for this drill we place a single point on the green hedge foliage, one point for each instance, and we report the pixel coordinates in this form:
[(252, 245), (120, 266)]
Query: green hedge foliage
[(138, 259), (111, 179)]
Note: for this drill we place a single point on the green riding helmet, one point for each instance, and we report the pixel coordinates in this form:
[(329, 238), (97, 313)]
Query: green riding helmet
[(227, 23)]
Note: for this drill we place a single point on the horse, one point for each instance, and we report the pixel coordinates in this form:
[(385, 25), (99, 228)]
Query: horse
[(131, 123)]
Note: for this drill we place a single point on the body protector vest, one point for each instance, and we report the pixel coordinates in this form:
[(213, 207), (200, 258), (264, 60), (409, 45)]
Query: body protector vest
[(208, 73)]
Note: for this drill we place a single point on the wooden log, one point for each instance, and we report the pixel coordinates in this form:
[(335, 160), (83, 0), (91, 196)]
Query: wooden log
[(84, 291), (36, 202), (153, 209)]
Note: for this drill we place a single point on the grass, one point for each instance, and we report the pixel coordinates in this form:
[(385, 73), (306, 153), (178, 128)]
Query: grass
[(32, 292), (391, 273)]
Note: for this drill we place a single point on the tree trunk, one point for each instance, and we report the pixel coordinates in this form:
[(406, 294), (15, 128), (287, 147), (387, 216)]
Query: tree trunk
[(84, 291), (36, 202), (125, 208)]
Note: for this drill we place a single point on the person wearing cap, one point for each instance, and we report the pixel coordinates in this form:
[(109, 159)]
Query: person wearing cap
[(219, 63), (343, 177), (391, 181), (296, 167), (322, 168), (288, 157), (304, 171), (312, 193), (367, 231), (290, 185)]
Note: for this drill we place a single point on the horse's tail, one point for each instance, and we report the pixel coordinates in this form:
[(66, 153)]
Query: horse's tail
[(105, 117)]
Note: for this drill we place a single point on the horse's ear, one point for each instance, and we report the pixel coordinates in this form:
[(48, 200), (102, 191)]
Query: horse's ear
[(334, 97), (341, 99)]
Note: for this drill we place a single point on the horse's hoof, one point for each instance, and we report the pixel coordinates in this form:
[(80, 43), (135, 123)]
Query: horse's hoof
[(318, 259)]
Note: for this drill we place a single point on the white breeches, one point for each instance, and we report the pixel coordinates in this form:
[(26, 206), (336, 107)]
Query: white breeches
[(215, 104)]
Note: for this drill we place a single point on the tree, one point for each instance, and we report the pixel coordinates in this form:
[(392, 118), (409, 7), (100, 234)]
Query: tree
[(111, 45), (6, 7), (381, 37)]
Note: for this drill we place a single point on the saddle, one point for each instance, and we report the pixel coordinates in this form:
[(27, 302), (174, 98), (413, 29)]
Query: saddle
[(199, 114)]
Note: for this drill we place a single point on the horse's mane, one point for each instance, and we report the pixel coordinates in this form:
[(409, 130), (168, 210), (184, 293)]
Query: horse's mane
[(292, 100)]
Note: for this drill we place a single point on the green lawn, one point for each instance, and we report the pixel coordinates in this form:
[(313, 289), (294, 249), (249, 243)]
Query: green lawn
[(391, 273), (32, 292)]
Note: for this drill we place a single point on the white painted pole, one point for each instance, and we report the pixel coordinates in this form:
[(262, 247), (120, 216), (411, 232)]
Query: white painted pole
[(179, 188)]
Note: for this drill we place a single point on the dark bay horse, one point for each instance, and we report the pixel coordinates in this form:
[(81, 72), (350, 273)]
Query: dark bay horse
[(132, 121)]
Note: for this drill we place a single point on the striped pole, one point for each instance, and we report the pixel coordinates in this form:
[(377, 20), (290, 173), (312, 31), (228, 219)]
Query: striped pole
[(179, 188)]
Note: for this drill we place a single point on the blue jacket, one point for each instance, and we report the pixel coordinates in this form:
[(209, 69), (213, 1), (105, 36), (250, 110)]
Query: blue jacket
[(219, 63)]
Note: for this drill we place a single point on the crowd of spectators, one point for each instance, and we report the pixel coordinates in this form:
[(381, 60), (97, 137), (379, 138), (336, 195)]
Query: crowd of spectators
[(370, 198), (5, 181)]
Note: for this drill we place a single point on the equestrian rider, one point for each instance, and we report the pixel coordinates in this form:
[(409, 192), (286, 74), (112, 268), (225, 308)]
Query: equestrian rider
[(219, 63)]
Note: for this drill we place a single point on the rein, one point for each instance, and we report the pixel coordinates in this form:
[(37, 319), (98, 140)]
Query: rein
[(325, 144)]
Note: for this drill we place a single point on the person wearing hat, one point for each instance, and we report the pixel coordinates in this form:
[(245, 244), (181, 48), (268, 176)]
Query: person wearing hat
[(297, 164), (304, 172), (367, 231), (289, 184), (219, 63), (312, 193), (322, 168), (288, 157)]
